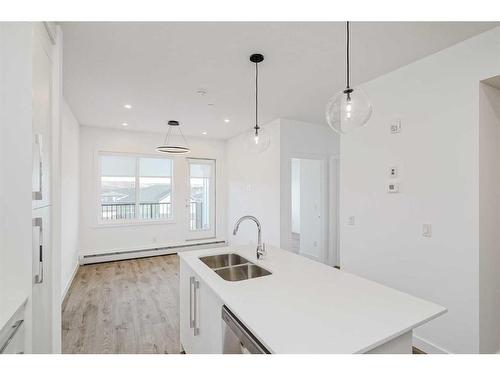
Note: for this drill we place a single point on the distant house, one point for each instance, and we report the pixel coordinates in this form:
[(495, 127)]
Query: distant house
[(148, 194)]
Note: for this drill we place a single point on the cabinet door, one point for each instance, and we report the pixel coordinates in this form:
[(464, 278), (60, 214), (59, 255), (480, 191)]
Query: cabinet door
[(200, 314), (208, 321), (186, 307), (42, 116), (42, 281)]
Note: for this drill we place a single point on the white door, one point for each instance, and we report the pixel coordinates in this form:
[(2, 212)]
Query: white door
[(201, 203), (308, 208), (42, 281)]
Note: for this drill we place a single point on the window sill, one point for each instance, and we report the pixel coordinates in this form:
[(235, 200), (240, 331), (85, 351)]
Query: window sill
[(101, 225)]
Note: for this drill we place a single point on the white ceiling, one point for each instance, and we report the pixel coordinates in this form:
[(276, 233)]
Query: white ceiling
[(158, 67)]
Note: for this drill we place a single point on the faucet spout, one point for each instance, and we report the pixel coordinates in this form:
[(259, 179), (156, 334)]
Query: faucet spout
[(260, 247)]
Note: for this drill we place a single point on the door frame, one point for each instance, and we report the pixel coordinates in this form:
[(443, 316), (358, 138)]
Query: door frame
[(201, 234)]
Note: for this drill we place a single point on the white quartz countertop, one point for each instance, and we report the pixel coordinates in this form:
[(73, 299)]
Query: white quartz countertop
[(309, 307)]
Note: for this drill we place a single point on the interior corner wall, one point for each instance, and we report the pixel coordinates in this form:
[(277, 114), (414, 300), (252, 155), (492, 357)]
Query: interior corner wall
[(70, 188), (489, 218), (253, 188), (437, 157)]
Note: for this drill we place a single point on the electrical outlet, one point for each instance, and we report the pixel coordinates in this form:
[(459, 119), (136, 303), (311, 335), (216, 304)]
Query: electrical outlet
[(396, 126)]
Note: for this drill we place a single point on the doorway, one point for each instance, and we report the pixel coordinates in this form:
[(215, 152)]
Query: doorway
[(309, 214)]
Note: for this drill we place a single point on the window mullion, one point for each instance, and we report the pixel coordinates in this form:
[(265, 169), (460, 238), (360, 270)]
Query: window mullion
[(137, 187)]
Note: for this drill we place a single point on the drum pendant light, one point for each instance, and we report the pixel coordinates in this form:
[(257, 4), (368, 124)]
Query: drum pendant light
[(257, 140), (170, 144), (349, 109)]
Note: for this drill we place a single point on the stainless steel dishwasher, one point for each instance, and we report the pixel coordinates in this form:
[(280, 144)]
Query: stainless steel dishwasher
[(237, 338)]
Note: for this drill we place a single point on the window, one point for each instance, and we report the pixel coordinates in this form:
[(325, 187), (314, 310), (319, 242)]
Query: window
[(135, 188), (202, 196)]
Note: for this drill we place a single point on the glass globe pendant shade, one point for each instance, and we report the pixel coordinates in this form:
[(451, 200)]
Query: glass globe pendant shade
[(256, 142), (348, 111)]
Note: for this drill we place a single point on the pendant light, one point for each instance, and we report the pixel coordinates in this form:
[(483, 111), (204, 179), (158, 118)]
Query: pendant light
[(350, 108), (257, 140), (169, 145)]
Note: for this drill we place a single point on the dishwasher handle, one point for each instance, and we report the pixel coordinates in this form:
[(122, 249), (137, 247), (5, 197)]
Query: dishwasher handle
[(247, 339)]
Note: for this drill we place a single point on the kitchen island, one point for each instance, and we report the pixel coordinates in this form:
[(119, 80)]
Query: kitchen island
[(302, 307)]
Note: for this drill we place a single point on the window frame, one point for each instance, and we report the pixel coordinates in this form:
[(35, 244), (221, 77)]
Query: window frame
[(136, 220)]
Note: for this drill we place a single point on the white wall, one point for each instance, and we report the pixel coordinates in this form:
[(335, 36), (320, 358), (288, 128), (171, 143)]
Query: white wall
[(437, 155), (254, 188), (489, 218), (96, 238), (70, 201)]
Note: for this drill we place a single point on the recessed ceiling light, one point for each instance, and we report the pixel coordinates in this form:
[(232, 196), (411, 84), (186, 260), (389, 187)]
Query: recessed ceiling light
[(127, 106), (226, 120), (124, 123), (201, 92), (204, 133)]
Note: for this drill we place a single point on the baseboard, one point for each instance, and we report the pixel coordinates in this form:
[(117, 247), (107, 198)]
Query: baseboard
[(68, 285), (143, 252), (427, 346)]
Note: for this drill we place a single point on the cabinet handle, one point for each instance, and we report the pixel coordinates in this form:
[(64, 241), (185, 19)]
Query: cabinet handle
[(37, 195), (191, 284), (37, 222), (14, 328), (196, 327)]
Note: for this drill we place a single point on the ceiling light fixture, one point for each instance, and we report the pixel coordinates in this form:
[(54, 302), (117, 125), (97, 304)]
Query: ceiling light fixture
[(204, 133), (124, 123), (226, 120), (350, 108), (170, 146), (127, 106), (257, 140)]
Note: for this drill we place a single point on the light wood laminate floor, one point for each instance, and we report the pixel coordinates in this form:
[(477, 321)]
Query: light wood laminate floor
[(129, 306)]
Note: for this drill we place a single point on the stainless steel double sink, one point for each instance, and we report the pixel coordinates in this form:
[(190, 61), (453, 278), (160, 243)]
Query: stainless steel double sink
[(233, 267)]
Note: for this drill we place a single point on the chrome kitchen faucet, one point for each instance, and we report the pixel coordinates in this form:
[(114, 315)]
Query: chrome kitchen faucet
[(261, 248)]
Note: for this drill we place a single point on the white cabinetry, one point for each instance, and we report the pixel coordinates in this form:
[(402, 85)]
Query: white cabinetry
[(42, 281), (12, 335), (200, 314)]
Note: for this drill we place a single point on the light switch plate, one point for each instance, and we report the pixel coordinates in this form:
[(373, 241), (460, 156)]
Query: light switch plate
[(351, 220), (396, 126), (393, 172)]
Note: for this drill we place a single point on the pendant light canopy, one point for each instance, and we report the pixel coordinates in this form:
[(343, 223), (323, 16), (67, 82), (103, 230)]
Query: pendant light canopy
[(257, 140), (350, 108), (171, 144)]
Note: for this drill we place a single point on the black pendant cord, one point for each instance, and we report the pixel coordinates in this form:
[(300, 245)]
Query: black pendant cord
[(257, 99), (348, 89), (348, 78)]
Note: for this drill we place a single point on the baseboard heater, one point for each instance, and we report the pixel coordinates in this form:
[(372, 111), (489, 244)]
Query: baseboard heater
[(143, 253)]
